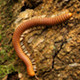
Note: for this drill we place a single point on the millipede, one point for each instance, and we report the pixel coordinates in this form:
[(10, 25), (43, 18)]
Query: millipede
[(28, 24)]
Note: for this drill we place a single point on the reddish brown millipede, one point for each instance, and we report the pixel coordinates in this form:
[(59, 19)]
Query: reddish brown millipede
[(28, 24)]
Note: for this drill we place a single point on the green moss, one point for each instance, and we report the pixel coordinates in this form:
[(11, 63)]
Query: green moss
[(0, 37), (6, 69), (54, 47), (0, 26), (7, 55), (2, 52)]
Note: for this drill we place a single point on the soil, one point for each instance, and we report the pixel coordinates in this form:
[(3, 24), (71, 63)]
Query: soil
[(53, 50)]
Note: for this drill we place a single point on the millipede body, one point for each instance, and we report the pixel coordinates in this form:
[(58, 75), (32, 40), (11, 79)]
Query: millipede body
[(28, 24)]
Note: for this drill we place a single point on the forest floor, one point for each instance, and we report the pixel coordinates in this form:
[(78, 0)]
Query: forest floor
[(55, 50)]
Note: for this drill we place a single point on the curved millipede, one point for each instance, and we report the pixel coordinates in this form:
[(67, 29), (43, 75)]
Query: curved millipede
[(28, 24)]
